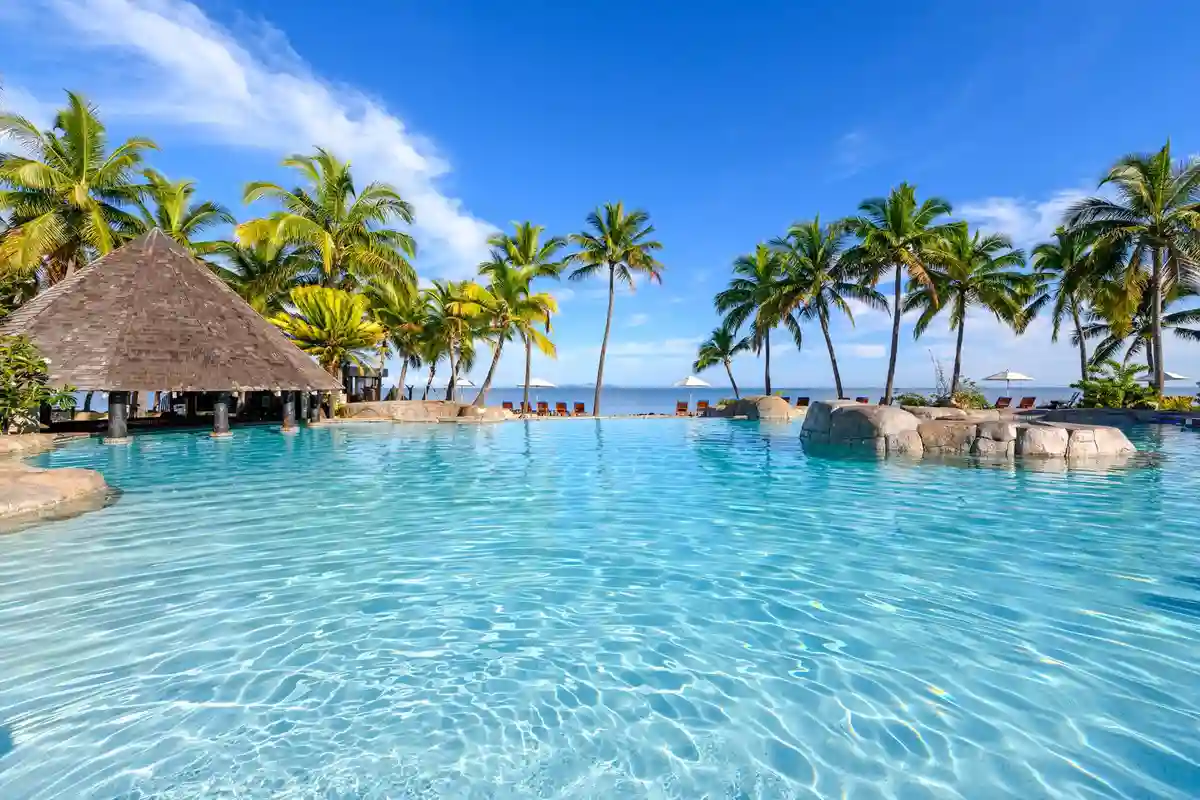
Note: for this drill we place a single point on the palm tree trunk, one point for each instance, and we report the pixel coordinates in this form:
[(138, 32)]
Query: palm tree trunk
[(962, 324), (1156, 321), (87, 401), (429, 383), (400, 388), (891, 374), (767, 364), (528, 369), (837, 376), (451, 385), (481, 398), (1083, 356), (1151, 361), (729, 371), (612, 275)]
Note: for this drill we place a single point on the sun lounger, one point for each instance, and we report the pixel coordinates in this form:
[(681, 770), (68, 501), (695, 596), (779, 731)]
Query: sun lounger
[(863, 400), (580, 410), (1004, 402), (507, 405), (543, 408), (701, 407), (560, 410), (801, 402), (1026, 403), (681, 408)]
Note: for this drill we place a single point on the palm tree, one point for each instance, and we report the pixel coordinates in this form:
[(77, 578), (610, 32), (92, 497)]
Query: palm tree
[(262, 274), (1138, 335), (451, 318), (399, 309), (817, 280), (1060, 268), (343, 228), (1155, 216), (65, 195), (720, 348), (618, 244), (965, 270), (331, 325), (525, 250), (896, 233), (509, 309), (754, 294), (175, 215)]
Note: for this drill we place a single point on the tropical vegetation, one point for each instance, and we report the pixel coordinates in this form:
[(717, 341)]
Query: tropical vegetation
[(24, 383)]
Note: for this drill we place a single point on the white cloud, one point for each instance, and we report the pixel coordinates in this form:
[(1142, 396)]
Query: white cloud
[(1026, 222), (637, 320), (661, 348), (177, 66), (852, 152), (563, 295), (868, 350), (16, 100)]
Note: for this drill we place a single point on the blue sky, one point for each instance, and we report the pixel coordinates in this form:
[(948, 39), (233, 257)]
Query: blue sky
[(726, 122)]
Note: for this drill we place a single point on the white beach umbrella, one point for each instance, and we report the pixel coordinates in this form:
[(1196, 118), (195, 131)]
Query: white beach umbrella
[(1174, 376), (538, 383), (1008, 376), (462, 383), (692, 382)]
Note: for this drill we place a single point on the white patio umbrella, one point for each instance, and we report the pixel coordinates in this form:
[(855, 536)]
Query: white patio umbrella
[(537, 383), (692, 382), (462, 383), (1008, 376)]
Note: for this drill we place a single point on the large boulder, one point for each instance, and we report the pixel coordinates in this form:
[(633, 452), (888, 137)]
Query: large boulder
[(935, 412), (819, 419), (28, 491), (770, 409), (1093, 441), (947, 436), (882, 429), (982, 415), (997, 431), (1041, 441), (993, 448)]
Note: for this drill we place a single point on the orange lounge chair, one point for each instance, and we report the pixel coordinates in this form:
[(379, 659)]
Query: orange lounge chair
[(801, 402), (863, 400), (1026, 403), (507, 405), (1003, 402), (560, 410), (701, 407), (580, 410), (543, 408), (681, 408)]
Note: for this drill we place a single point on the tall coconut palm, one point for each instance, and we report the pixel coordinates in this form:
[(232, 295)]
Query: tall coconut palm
[(817, 280), (176, 215), (721, 348), (1137, 335), (1060, 267), (1155, 217), (331, 325), (524, 249), (262, 274), (897, 233), (754, 295), (399, 309), (65, 194), (508, 310), (452, 317), (618, 245), (346, 229), (966, 270)]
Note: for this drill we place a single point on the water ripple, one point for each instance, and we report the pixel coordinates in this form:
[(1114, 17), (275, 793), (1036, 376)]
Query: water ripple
[(685, 609)]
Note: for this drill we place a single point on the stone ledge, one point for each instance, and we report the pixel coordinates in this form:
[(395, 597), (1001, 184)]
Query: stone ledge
[(30, 492)]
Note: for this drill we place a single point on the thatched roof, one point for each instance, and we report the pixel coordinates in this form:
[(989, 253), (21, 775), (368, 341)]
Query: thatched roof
[(150, 316)]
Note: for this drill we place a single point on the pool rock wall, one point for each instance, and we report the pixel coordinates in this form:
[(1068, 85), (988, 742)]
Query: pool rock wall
[(28, 492), (917, 431)]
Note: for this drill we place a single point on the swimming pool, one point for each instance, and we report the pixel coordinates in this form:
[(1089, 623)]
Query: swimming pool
[(622, 608)]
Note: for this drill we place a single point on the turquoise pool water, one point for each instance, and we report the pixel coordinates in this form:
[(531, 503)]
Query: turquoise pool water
[(582, 609)]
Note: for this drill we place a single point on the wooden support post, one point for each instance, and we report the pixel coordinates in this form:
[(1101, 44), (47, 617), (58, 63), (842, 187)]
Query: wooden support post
[(305, 402), (289, 412), (118, 414), (221, 415), (314, 408)]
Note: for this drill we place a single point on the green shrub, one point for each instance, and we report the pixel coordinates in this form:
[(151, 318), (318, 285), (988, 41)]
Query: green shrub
[(1177, 403), (911, 399), (1111, 384), (23, 379)]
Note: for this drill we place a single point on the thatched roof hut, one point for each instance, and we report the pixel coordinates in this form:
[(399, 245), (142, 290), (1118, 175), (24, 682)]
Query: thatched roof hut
[(150, 316)]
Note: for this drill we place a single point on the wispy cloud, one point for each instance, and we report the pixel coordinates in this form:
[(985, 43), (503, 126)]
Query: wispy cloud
[(868, 350), (563, 295), (178, 67), (1026, 222), (853, 152), (637, 320), (660, 348)]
